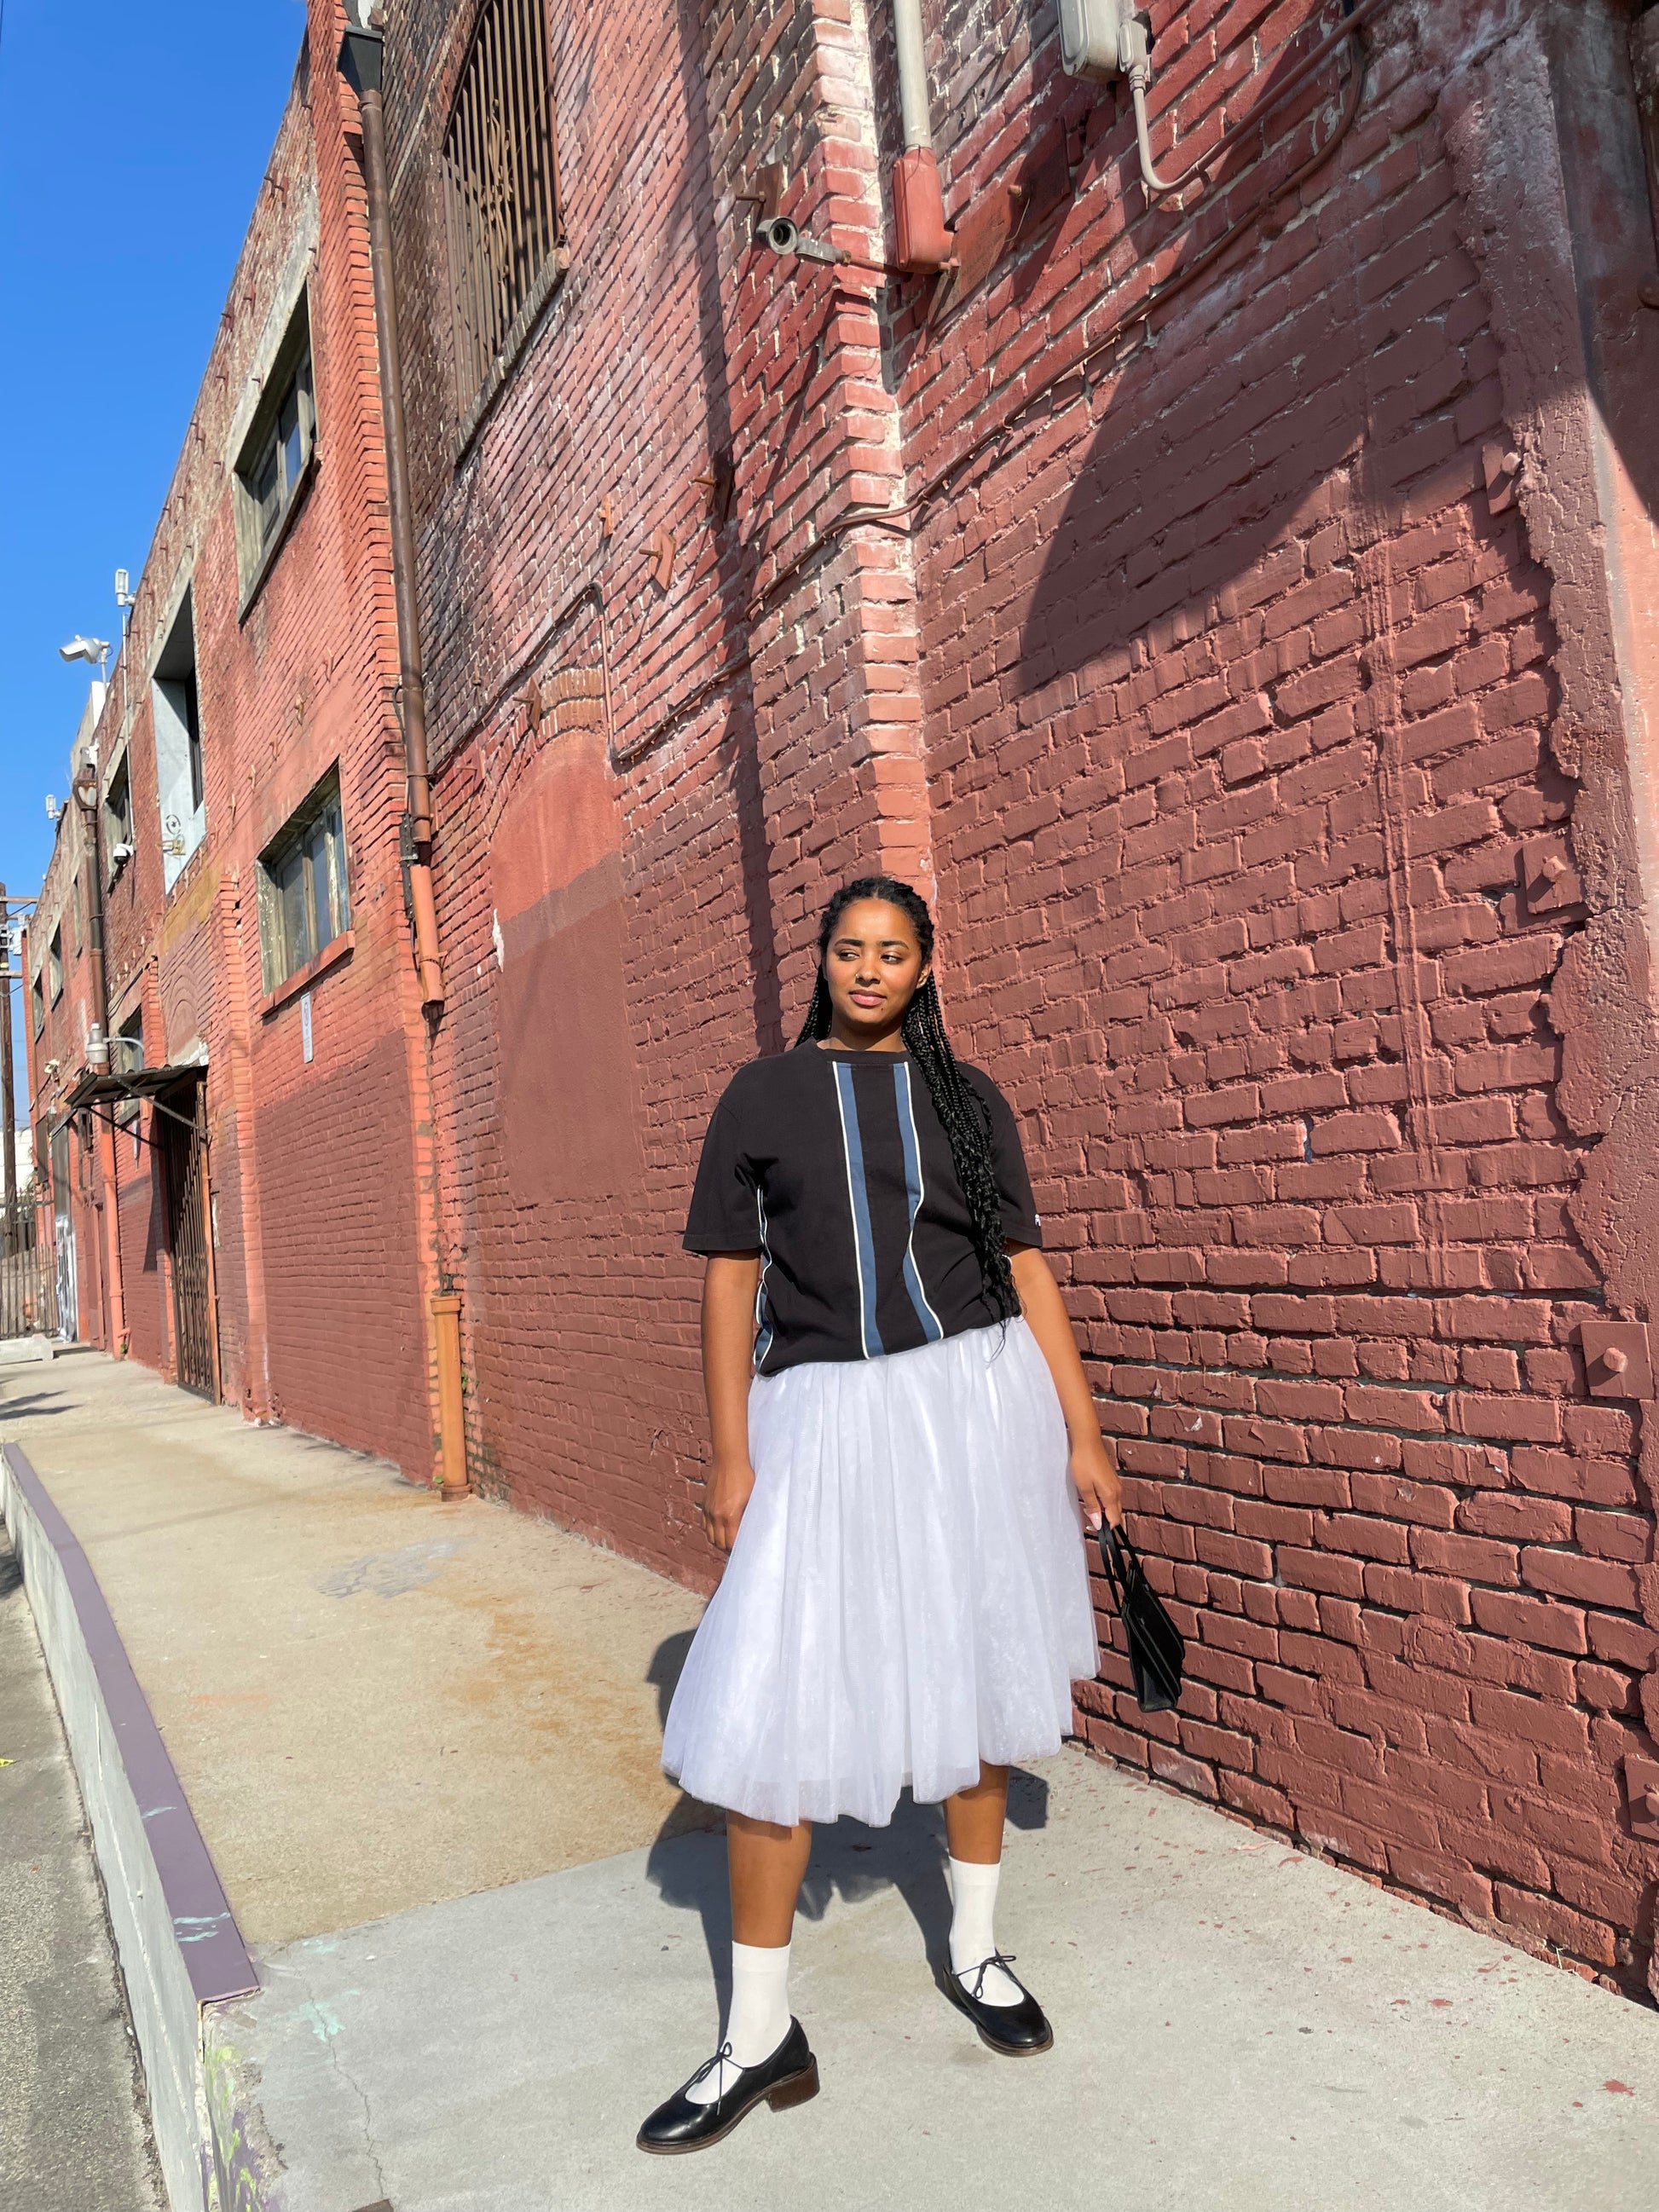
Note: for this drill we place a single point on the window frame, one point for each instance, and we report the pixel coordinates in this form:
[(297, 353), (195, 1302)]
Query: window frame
[(38, 1003), (482, 366), (180, 757), (292, 374), (55, 963), (282, 954)]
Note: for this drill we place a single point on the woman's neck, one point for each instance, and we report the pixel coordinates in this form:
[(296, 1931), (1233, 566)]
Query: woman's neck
[(837, 1041)]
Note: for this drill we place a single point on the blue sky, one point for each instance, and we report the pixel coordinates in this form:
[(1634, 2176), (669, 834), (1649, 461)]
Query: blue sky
[(132, 141)]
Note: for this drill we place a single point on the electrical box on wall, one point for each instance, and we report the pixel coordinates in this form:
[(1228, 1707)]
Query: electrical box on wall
[(1089, 42)]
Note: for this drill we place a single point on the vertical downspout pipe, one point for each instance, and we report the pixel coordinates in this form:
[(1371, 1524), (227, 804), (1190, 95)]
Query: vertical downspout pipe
[(360, 60), (360, 64), (922, 242)]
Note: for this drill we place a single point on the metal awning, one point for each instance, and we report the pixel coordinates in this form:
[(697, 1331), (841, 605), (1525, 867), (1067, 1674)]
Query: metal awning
[(102, 1086)]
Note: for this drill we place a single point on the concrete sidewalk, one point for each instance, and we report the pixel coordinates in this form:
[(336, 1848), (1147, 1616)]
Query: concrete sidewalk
[(421, 1743), (374, 1699), (1238, 2029)]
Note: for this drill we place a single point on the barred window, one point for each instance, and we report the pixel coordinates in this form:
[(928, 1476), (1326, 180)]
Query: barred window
[(501, 195)]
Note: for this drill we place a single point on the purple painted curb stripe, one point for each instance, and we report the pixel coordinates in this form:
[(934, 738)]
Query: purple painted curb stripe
[(209, 1943)]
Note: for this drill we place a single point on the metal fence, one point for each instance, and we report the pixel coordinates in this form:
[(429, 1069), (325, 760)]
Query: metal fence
[(28, 1269)]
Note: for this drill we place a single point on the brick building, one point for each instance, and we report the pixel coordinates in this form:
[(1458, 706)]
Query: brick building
[(1233, 597), (59, 1011), (266, 1078), (1231, 607)]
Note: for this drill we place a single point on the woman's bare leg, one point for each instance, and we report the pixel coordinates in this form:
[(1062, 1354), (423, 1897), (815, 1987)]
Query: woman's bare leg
[(973, 1818), (766, 1863)]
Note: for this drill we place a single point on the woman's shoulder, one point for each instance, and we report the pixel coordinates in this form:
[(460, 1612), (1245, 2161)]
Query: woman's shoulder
[(773, 1074)]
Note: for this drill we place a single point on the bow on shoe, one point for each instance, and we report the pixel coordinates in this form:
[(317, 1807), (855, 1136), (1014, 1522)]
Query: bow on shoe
[(1003, 1958), (708, 2067)]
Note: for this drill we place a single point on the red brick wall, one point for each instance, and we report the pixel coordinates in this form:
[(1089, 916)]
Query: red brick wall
[(565, 1115), (1236, 755), (320, 1248), (1223, 696), (1160, 588)]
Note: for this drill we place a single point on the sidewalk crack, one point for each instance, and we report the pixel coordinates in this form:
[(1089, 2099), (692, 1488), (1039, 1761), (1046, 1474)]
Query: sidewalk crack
[(326, 2025)]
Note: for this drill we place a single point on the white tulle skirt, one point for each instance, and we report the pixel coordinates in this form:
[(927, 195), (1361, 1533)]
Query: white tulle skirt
[(908, 1594)]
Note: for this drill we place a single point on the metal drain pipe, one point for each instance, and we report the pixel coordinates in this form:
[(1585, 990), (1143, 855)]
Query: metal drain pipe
[(923, 243)]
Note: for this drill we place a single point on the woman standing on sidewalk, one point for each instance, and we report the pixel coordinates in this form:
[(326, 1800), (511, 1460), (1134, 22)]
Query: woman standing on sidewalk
[(896, 1400)]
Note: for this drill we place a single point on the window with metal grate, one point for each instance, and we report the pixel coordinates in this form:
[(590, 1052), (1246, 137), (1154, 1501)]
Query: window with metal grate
[(501, 195)]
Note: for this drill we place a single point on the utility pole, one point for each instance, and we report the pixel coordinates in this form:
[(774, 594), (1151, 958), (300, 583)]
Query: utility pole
[(7, 1108)]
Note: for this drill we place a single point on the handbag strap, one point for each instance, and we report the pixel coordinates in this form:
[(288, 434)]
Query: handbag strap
[(1119, 1559)]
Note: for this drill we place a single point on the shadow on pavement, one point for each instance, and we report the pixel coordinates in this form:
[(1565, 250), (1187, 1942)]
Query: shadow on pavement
[(34, 1407)]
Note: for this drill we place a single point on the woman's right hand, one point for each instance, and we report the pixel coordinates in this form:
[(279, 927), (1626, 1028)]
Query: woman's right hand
[(724, 1494)]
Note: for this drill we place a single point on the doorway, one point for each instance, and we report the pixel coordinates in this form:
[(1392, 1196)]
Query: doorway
[(183, 1149), (63, 1226)]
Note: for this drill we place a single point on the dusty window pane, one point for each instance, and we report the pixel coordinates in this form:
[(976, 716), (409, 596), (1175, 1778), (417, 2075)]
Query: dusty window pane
[(291, 890), (267, 496), (319, 899), (273, 461), (303, 902), (289, 437)]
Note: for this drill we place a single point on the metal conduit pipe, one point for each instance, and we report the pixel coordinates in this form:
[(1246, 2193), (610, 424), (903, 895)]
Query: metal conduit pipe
[(922, 242), (360, 63)]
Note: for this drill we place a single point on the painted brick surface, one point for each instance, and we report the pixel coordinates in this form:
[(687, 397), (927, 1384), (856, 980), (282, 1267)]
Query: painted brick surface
[(1226, 607), (1238, 750), (1175, 630), (321, 1255)]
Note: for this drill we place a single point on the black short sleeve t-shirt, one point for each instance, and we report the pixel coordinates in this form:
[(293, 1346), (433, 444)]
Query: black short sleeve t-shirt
[(835, 1168)]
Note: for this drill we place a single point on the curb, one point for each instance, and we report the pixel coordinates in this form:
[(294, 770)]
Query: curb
[(179, 1945)]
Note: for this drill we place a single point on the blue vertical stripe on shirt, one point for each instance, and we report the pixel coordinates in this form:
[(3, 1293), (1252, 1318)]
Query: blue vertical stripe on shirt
[(932, 1328), (863, 1240)]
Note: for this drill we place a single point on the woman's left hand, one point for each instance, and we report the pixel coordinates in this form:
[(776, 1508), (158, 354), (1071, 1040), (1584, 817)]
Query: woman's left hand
[(1094, 1470)]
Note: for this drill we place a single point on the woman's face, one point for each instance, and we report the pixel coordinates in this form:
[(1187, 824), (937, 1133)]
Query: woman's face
[(873, 966)]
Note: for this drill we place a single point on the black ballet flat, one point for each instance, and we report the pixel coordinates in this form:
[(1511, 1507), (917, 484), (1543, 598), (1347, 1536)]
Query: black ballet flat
[(1015, 2031), (789, 2076)]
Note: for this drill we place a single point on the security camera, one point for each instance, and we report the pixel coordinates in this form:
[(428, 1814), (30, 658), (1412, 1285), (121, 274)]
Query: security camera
[(786, 237), (120, 854)]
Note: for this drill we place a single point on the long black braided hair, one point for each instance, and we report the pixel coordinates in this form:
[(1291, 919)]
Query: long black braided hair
[(963, 1114)]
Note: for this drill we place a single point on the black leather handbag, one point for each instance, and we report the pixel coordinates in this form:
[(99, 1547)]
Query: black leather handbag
[(1155, 1651)]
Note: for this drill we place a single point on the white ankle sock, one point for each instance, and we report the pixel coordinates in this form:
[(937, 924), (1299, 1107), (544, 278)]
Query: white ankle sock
[(973, 1931), (758, 2020)]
